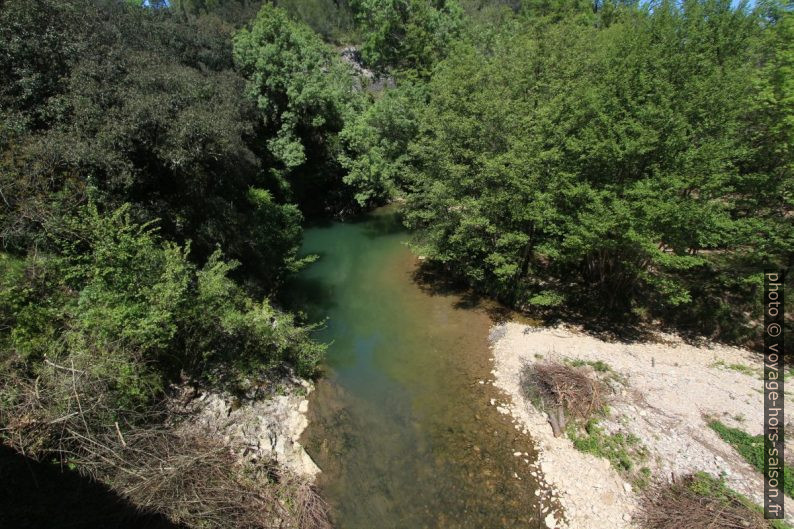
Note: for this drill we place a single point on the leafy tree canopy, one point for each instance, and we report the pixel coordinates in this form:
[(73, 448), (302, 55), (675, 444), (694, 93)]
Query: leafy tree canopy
[(303, 93), (612, 162)]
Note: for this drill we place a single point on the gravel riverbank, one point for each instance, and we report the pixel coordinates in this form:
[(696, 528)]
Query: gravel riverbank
[(670, 391)]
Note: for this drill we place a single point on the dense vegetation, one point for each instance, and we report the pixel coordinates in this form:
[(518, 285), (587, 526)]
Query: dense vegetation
[(145, 219), (618, 159), (630, 160)]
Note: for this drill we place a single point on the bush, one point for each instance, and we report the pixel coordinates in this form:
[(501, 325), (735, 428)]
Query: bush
[(128, 313)]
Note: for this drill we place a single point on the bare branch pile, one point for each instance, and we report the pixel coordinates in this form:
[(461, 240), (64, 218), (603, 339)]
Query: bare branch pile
[(143, 456), (679, 505), (560, 389)]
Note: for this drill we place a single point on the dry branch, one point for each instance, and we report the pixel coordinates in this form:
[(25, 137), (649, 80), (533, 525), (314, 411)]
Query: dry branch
[(678, 506), (69, 413), (559, 389)]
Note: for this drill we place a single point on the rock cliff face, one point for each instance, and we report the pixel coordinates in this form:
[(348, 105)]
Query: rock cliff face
[(365, 78), (261, 429)]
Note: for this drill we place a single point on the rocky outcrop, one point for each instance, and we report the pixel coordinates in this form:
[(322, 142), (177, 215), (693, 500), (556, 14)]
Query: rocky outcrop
[(260, 428), (365, 78)]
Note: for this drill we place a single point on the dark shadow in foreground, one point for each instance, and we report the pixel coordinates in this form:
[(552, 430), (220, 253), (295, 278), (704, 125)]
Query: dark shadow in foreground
[(37, 495)]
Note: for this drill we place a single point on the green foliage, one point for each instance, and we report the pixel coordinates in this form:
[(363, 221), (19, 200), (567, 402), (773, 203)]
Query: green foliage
[(554, 11), (622, 451), (303, 93), (331, 19), (751, 449), (546, 298), (236, 12), (407, 34), (376, 145), (609, 165), (155, 118), (134, 308)]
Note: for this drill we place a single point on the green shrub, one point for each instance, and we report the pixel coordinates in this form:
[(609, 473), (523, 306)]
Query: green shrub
[(622, 450), (133, 310)]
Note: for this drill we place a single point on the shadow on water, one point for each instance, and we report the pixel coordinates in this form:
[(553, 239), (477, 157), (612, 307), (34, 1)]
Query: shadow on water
[(37, 495), (310, 294), (434, 281), (383, 225)]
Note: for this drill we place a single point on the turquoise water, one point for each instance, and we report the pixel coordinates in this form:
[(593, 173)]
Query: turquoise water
[(400, 424)]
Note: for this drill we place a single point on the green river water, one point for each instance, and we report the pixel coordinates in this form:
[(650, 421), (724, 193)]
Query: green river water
[(400, 425)]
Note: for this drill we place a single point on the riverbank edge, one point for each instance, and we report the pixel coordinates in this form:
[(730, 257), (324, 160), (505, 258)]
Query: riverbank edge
[(591, 493), (264, 427)]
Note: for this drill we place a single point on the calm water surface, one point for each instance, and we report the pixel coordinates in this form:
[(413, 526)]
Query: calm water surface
[(401, 427)]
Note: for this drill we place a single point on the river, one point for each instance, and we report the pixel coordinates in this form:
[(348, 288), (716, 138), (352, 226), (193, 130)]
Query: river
[(401, 424)]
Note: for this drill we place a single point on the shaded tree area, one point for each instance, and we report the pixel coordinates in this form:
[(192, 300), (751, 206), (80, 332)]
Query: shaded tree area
[(114, 104)]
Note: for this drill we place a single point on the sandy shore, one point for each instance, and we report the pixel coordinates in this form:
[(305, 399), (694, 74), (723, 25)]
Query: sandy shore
[(670, 391)]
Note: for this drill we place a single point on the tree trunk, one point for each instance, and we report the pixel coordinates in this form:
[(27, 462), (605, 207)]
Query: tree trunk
[(557, 420)]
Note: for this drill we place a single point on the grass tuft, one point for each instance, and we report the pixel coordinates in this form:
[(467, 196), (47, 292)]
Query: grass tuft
[(623, 451), (751, 448)]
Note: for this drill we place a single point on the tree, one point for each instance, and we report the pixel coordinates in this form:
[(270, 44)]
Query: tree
[(160, 120), (606, 163), (407, 34), (377, 144), (303, 93)]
